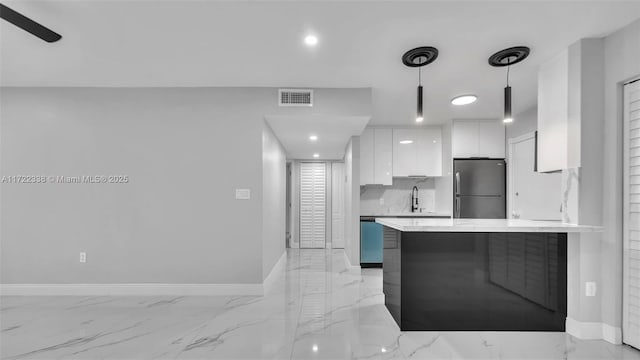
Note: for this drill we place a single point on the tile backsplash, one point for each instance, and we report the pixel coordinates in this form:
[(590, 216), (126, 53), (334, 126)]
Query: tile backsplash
[(379, 200)]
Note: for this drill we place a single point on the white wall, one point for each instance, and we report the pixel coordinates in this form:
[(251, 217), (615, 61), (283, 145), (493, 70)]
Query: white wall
[(274, 167), (185, 151), (622, 54), (352, 201), (523, 123)]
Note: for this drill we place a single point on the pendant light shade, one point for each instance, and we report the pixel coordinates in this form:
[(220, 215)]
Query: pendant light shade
[(420, 57), (507, 105), (508, 57), (419, 117)]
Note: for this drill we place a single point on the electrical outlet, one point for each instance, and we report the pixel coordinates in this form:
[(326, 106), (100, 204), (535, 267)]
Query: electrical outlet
[(590, 288), (83, 257)]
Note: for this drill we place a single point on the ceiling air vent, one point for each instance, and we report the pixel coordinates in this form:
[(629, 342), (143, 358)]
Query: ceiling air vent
[(295, 97)]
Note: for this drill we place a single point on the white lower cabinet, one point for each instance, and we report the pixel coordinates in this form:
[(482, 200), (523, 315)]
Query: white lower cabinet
[(417, 152)]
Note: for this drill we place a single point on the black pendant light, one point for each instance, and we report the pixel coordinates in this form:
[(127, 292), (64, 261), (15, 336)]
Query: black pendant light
[(508, 57), (420, 57)]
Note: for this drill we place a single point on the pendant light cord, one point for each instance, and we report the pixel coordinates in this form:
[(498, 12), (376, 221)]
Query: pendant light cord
[(508, 68), (420, 76)]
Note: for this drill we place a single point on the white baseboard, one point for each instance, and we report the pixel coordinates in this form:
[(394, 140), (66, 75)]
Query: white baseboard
[(593, 331), (146, 289), (348, 262), (612, 334), (276, 270)]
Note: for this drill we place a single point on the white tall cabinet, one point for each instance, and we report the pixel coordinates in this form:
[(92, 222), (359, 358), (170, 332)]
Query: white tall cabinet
[(478, 138), (417, 152), (376, 156)]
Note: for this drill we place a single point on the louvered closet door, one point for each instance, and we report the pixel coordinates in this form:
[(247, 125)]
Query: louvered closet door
[(631, 213), (312, 205)]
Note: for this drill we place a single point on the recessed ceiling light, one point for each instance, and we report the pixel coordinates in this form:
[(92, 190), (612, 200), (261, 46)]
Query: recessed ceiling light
[(406, 142), (313, 137), (316, 155), (419, 119), (314, 348), (311, 40), (464, 100)]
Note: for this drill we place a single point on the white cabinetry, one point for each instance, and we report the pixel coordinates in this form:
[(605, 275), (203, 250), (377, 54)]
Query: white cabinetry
[(366, 157), (383, 156), (559, 92), (376, 157), (478, 138), (417, 152)]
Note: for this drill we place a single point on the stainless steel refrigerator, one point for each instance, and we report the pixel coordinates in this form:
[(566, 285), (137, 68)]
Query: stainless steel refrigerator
[(479, 189)]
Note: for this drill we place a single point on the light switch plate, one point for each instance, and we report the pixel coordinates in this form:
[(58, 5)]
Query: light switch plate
[(243, 194), (590, 288), (381, 201)]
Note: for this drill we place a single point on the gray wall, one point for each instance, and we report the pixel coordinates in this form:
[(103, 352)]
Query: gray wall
[(622, 51), (185, 150), (523, 123), (274, 167)]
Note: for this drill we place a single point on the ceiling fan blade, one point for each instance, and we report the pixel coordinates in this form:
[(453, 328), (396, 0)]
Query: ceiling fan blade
[(28, 25)]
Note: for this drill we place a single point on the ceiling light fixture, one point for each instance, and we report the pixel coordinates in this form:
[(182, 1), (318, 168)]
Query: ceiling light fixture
[(508, 57), (316, 155), (403, 142), (420, 57), (311, 40), (313, 137), (464, 100)]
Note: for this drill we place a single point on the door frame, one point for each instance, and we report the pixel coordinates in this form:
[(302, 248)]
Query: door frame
[(510, 168), (625, 208)]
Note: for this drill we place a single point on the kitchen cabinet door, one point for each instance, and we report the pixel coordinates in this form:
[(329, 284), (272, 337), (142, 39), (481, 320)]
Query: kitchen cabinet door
[(553, 113), (491, 139), (383, 156), (367, 157), (417, 152), (405, 142), (464, 138), (429, 156)]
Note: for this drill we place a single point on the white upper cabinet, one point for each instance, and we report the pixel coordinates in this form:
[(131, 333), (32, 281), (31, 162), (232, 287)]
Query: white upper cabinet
[(376, 157), (383, 156), (566, 84), (417, 152), (478, 138), (553, 113), (366, 157)]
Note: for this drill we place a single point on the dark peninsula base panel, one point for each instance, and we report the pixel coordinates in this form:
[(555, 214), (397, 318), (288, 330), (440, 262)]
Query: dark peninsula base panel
[(476, 281)]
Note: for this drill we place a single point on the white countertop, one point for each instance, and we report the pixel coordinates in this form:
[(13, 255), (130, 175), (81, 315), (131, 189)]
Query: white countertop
[(409, 214), (483, 225)]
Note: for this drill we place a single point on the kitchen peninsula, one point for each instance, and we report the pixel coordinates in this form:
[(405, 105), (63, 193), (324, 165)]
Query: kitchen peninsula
[(476, 274)]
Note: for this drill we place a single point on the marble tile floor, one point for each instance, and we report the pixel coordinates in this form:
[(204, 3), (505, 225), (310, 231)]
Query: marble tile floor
[(319, 308)]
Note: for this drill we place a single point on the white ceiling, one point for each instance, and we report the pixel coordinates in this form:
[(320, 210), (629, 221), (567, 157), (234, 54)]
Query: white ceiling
[(259, 43), (333, 134)]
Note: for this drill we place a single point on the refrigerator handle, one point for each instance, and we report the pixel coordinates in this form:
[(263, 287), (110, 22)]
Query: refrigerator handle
[(457, 209)]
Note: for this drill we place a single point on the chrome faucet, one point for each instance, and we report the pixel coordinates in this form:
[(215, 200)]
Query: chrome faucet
[(414, 199)]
